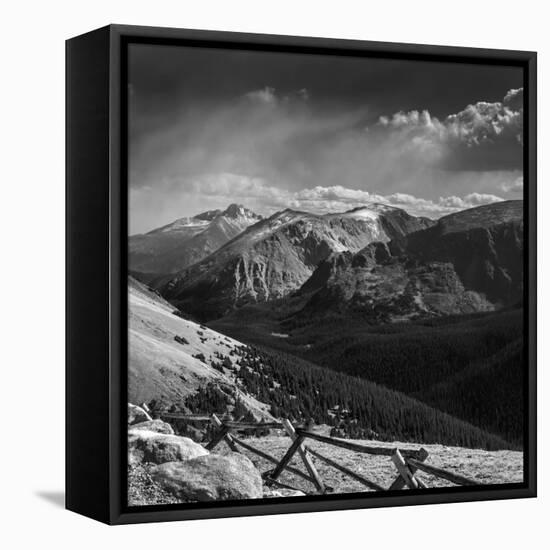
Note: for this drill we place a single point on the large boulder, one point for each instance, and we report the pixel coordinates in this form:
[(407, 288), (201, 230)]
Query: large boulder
[(137, 414), (154, 426), (148, 446), (212, 477)]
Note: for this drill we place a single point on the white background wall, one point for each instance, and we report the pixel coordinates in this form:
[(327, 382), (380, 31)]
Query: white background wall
[(32, 272)]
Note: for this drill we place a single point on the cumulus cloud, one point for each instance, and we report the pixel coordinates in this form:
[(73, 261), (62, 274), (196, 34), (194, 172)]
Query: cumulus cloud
[(257, 193), (327, 198), (514, 99), (479, 123), (412, 119), (485, 122)]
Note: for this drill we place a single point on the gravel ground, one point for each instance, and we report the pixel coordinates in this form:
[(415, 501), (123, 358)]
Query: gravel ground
[(485, 467), (142, 490)]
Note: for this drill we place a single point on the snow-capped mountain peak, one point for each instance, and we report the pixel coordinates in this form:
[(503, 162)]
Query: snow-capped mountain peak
[(187, 240), (234, 212), (239, 212)]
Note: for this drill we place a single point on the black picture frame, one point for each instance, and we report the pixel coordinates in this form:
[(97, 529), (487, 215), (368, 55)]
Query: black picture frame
[(96, 268)]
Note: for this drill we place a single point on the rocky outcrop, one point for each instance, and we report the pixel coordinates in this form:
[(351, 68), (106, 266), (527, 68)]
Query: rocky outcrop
[(154, 426), (212, 477), (148, 446), (393, 291), (137, 414)]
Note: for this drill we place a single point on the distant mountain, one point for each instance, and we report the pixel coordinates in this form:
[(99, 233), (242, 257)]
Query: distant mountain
[(277, 255), (467, 262), (185, 241)]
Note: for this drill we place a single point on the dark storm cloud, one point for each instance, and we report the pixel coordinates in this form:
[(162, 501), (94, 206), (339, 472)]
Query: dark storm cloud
[(166, 77), (317, 132)]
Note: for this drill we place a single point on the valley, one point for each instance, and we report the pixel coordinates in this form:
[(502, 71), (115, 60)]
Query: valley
[(368, 322)]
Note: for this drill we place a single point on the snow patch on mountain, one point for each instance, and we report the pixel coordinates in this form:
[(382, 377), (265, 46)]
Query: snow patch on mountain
[(185, 223)]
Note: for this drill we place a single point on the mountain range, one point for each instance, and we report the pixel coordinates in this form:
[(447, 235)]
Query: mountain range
[(467, 262), (173, 247), (377, 260), (277, 255)]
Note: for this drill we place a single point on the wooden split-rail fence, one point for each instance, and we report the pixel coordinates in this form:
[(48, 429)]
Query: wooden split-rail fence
[(406, 461)]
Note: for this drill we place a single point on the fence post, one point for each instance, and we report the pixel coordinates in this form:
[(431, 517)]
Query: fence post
[(399, 482), (288, 456), (305, 457), (224, 430), (227, 438), (272, 459), (403, 470)]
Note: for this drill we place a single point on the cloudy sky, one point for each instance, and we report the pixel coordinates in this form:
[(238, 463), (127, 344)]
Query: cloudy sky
[(318, 133)]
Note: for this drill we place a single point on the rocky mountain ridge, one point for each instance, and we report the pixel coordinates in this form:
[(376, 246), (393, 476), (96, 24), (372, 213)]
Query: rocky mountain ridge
[(185, 241), (277, 255), (467, 262)]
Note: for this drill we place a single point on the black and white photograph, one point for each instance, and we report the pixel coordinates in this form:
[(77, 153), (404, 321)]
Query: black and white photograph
[(325, 275), (275, 275)]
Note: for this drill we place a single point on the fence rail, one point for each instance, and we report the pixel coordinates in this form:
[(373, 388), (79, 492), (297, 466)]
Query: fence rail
[(406, 461), (175, 416), (357, 447)]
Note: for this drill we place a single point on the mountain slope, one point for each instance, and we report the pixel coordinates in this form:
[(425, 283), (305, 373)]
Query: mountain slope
[(170, 359), (359, 408), (484, 245), (408, 357), (468, 262), (487, 393), (174, 362), (187, 240), (277, 255)]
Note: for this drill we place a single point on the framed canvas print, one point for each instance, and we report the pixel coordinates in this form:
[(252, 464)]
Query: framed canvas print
[(301, 274)]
